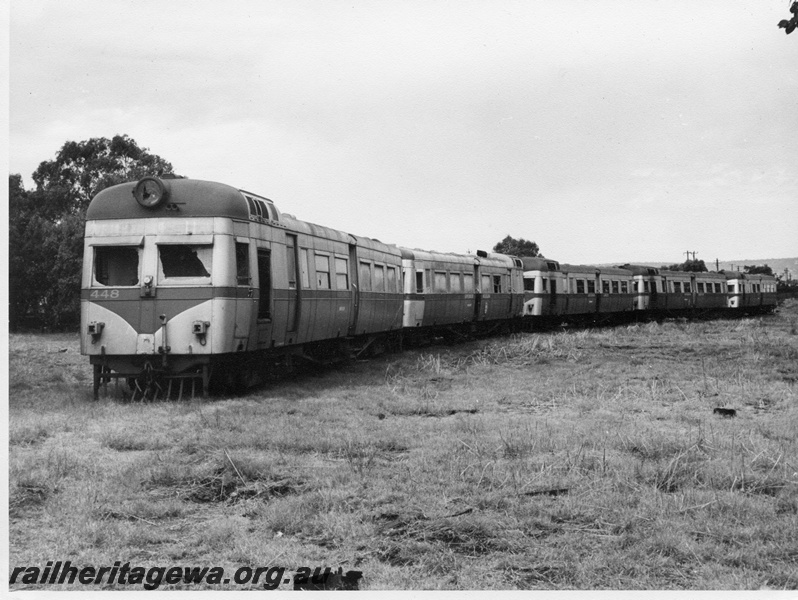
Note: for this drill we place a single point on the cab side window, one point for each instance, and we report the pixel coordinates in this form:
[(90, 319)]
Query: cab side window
[(242, 264)]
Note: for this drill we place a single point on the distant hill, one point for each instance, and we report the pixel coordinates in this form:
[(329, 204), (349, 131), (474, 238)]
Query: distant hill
[(777, 264)]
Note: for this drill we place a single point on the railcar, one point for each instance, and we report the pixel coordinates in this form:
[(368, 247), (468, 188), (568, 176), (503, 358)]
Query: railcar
[(184, 279)]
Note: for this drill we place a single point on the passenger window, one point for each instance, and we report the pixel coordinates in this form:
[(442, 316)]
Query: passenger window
[(486, 287), (440, 282), (242, 264), (591, 286), (614, 287), (365, 277), (322, 272), (391, 284), (290, 262), (497, 284), (379, 278), (545, 284), (341, 274), (185, 263), (624, 287), (686, 287), (580, 286), (304, 267), (454, 283), (529, 284), (116, 265), (419, 282), (265, 283), (605, 287), (468, 283)]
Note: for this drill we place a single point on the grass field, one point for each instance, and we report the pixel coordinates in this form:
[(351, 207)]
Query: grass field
[(587, 459)]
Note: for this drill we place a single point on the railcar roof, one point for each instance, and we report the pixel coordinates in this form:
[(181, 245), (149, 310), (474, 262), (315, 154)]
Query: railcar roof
[(186, 198), (539, 263), (566, 268), (615, 271), (672, 274), (416, 254), (197, 198), (640, 269), (710, 275), (748, 276)]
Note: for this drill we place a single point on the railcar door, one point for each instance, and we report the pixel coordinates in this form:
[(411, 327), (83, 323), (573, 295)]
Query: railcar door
[(264, 297), (477, 293), (292, 270), (354, 289), (244, 295)]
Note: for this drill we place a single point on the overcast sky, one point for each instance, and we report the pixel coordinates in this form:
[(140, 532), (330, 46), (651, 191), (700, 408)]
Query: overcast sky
[(606, 131)]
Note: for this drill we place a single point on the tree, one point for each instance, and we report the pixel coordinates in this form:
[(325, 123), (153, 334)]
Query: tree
[(694, 266), (46, 225), (755, 270), (27, 264), (517, 247), (82, 169), (789, 25)]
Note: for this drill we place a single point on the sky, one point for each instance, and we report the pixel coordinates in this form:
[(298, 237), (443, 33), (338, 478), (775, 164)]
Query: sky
[(605, 130)]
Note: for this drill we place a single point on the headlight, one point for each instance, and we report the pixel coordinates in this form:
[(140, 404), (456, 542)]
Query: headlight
[(150, 192)]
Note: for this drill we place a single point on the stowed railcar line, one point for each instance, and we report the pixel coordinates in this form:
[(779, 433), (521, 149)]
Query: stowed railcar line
[(188, 283)]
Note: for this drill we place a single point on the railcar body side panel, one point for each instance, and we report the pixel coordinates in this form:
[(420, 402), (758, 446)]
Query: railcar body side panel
[(581, 287), (709, 291), (499, 284), (439, 288), (380, 299)]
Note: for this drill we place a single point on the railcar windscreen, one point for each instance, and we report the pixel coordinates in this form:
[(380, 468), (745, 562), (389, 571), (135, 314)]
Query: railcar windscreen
[(116, 265), (184, 263)]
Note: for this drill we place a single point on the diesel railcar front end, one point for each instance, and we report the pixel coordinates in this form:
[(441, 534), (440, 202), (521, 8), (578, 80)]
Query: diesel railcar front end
[(167, 281)]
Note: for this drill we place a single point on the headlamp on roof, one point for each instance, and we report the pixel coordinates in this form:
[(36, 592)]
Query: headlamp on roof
[(150, 192)]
